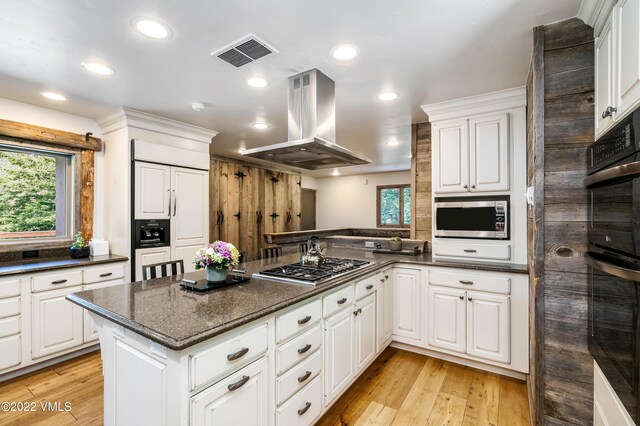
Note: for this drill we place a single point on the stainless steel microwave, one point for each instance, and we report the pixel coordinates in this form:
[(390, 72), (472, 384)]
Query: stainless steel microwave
[(472, 217)]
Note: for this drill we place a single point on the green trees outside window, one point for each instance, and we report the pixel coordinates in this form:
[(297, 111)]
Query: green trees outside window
[(394, 205)]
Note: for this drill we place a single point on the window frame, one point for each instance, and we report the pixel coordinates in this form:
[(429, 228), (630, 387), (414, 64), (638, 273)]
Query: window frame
[(400, 187), (72, 197)]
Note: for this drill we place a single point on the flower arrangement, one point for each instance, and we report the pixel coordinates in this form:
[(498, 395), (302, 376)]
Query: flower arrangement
[(219, 255), (395, 243)]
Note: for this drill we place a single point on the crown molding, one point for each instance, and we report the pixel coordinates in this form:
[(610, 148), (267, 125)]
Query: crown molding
[(595, 13), (488, 102), (127, 117)]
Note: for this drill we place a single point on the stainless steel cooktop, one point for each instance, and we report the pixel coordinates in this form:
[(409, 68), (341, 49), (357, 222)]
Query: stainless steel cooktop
[(297, 273)]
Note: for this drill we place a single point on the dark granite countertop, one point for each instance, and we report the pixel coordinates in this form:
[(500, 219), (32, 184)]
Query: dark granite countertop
[(163, 312), (49, 264)]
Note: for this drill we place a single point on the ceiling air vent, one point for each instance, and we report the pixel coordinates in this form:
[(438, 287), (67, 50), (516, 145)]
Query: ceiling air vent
[(244, 51)]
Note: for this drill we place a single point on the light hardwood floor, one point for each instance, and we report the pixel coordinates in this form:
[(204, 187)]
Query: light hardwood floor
[(399, 388), (403, 388)]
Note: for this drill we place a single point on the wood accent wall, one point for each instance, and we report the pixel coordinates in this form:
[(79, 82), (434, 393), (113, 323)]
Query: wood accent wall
[(560, 130), (421, 208)]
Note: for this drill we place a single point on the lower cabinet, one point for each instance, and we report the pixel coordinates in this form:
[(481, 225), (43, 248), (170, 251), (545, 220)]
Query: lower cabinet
[(303, 408), (447, 319), (365, 332), (384, 312), (240, 399), (339, 354), (56, 323), (406, 310), (10, 351)]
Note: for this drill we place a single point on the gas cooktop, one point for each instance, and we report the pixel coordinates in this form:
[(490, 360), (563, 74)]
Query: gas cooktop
[(296, 273)]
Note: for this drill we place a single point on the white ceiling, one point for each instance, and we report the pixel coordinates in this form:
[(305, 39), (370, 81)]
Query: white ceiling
[(427, 51)]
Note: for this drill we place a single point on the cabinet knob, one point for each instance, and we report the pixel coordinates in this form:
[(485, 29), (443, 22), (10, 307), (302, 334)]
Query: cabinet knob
[(473, 187), (461, 297), (469, 299), (382, 280), (466, 186), (369, 287), (609, 112)]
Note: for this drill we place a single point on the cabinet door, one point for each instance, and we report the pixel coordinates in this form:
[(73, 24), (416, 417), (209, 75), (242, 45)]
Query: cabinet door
[(152, 191), (406, 299), (447, 313), (450, 157), (56, 323), (339, 354), (149, 256), (250, 234), (214, 201), (240, 399), (604, 78), (627, 23), (365, 323), (190, 215), (384, 314), (186, 253), (489, 153), (488, 330)]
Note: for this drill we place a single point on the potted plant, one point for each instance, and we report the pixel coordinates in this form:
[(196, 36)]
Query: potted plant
[(80, 247), (395, 243), (216, 260)]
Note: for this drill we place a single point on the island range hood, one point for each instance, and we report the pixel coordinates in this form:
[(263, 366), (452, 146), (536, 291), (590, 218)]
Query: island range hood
[(312, 128)]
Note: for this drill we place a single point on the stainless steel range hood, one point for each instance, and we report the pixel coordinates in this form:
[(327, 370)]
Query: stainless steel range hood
[(312, 128)]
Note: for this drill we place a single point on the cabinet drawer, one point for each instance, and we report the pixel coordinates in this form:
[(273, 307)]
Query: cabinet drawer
[(9, 307), (296, 378), (11, 350), (366, 286), (298, 349), (103, 273), (9, 326), (298, 320), (337, 300), (9, 288), (493, 283), (57, 280), (231, 353), (303, 408), (472, 250)]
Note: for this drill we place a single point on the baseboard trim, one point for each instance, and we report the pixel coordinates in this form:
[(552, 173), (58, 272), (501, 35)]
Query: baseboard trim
[(48, 363)]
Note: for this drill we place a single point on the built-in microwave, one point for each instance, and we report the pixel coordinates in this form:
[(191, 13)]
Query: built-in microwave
[(472, 217)]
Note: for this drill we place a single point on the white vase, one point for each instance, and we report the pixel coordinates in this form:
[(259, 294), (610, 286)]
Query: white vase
[(215, 275)]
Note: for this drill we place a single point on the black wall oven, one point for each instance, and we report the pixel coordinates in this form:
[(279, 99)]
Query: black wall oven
[(614, 258)]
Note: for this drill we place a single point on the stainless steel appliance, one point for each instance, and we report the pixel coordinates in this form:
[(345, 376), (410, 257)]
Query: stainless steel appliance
[(151, 233), (472, 217), (296, 273), (614, 258)]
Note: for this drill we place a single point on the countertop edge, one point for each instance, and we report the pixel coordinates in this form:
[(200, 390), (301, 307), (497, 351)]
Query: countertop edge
[(58, 264)]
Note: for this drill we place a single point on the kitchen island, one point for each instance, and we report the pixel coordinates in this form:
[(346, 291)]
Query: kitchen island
[(241, 354)]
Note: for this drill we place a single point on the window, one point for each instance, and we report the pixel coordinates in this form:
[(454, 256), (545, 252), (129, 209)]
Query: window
[(35, 194), (394, 206)]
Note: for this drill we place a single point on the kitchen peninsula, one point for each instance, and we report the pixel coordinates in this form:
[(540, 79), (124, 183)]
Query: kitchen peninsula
[(264, 351)]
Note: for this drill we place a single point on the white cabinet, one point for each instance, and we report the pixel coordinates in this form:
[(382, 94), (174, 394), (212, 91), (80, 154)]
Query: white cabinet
[(384, 314), (153, 191), (56, 323), (240, 399), (149, 256), (407, 314), (447, 327), (189, 218), (617, 65), (472, 154), (89, 329), (365, 332), (339, 354)]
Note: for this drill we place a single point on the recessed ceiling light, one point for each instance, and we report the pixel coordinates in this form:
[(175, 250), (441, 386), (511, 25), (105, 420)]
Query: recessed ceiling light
[(197, 106), (151, 28), (257, 82), (260, 126), (388, 96), (335, 172), (393, 142), (53, 96), (345, 52), (97, 68)]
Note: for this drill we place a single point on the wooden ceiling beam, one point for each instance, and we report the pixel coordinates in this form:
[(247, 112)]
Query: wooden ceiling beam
[(30, 132)]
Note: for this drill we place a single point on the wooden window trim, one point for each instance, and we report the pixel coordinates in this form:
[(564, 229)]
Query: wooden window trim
[(401, 188)]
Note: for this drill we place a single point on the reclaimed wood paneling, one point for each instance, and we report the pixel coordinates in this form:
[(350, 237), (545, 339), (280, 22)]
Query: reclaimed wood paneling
[(87, 193), (421, 208), (30, 132)]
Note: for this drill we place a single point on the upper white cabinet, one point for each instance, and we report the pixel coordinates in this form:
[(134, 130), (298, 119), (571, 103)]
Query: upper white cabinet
[(451, 157), (189, 218), (617, 65), (153, 191)]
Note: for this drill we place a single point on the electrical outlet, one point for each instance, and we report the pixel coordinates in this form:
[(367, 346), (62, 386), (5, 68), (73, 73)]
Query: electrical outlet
[(369, 244)]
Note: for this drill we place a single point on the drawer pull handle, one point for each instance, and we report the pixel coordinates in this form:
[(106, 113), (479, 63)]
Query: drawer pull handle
[(386, 276), (469, 299), (304, 320), (237, 385), (461, 297), (305, 349), (304, 377), (382, 280), (466, 282), (470, 251), (305, 409), (106, 274), (242, 352), (58, 282), (369, 287), (341, 301)]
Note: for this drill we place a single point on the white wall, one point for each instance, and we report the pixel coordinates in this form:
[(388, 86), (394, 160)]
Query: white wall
[(347, 202), (308, 182), (45, 117)]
